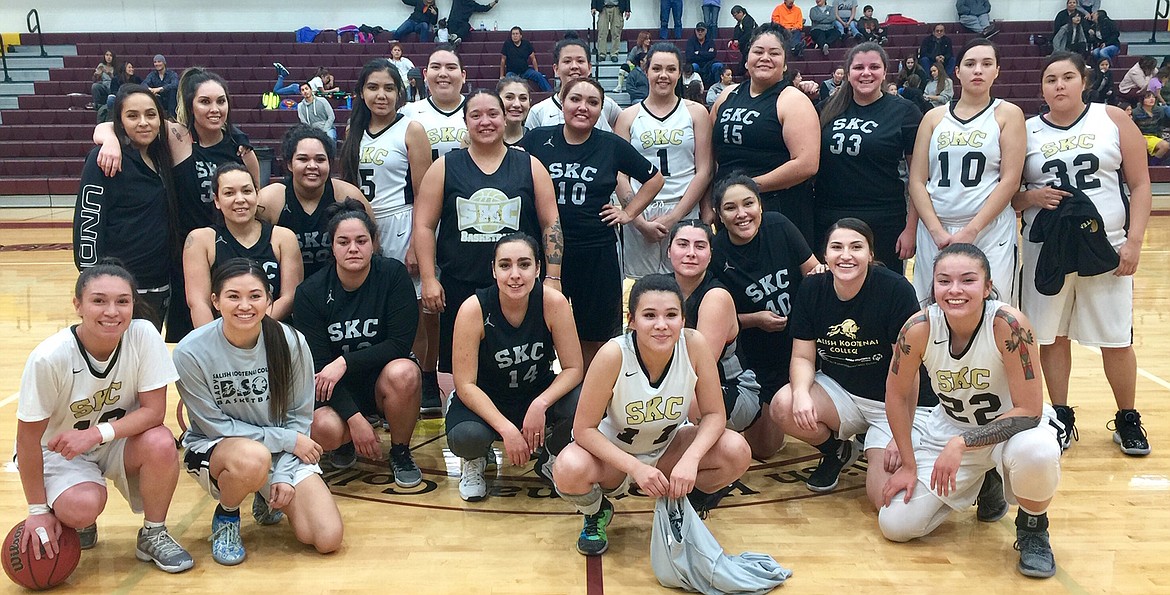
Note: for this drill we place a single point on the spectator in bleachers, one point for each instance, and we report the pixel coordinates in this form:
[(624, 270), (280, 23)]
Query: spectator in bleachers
[(124, 75), (1104, 37), (913, 93), (641, 46), (711, 16), (788, 15), (416, 85), (1101, 90), (939, 89), (975, 15), (1071, 37), (164, 83), (869, 29), (666, 7), (570, 62), (741, 35), (103, 75), (1136, 80), (1150, 117), (400, 61), (1157, 84), (1065, 16), (637, 83), (459, 19), (700, 54), (688, 76), (422, 21), (279, 87), (831, 84), (518, 57), (1090, 9), (611, 20), (908, 67), (725, 80), (823, 28), (323, 83), (517, 97), (937, 49), (316, 112), (694, 92), (846, 17), (443, 35)]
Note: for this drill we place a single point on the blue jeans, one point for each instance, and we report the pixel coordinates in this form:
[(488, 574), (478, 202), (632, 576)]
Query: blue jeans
[(282, 89), (408, 26), (711, 17), (709, 74), (1109, 51), (536, 77), (853, 32), (668, 7)]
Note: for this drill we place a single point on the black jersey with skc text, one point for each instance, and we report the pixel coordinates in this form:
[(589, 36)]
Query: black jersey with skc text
[(515, 362), (860, 151), (194, 177), (311, 229)]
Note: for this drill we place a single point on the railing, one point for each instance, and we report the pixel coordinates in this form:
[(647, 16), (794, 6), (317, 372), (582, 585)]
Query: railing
[(28, 20), (1161, 11), (4, 59)]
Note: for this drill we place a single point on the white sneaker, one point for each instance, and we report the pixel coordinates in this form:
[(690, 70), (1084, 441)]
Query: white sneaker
[(472, 486)]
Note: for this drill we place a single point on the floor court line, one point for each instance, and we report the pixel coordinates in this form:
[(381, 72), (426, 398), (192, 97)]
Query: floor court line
[(594, 577), (1141, 371), (180, 529)]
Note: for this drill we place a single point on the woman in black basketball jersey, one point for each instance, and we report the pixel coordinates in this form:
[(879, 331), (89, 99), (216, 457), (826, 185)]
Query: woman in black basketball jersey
[(301, 204), (865, 132), (761, 258), (584, 164), (359, 318), (506, 338), (768, 129), (479, 195), (241, 234)]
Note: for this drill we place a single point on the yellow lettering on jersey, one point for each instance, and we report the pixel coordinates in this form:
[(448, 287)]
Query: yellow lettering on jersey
[(1072, 143), (672, 407), (99, 400), (962, 139), (653, 410), (634, 413), (374, 155), (951, 380), (652, 138)]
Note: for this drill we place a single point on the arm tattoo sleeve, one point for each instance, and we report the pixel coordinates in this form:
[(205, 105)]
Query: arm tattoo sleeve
[(1019, 341), (902, 347), (554, 243), (999, 430)]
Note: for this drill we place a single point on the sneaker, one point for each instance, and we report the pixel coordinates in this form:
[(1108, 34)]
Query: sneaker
[(1129, 434), (824, 49), (1035, 554), (432, 402), (88, 536), (156, 545), (406, 473), (703, 502), (544, 465), (824, 477), (263, 513), (472, 486), (344, 456), (280, 69), (593, 540), (226, 546), (1065, 415), (613, 58), (991, 505)]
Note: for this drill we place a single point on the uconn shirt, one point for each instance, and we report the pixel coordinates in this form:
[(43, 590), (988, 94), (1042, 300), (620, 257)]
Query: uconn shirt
[(860, 151), (584, 176)]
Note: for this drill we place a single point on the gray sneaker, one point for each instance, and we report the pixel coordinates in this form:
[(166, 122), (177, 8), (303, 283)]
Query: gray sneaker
[(1036, 558), (263, 513), (156, 545), (406, 473), (88, 536), (472, 487)]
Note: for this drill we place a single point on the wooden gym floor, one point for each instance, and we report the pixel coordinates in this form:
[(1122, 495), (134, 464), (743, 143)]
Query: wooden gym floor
[(1110, 520)]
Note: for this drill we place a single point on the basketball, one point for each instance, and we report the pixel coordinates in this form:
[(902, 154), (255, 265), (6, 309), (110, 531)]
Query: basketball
[(46, 573)]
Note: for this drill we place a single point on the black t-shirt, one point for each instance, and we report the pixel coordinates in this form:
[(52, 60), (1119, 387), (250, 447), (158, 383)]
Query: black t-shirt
[(515, 363), (479, 209), (860, 151), (310, 229), (194, 176), (855, 338), (516, 56), (763, 274), (584, 176)]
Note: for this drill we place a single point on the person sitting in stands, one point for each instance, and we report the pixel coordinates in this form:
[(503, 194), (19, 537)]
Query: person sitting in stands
[(164, 83)]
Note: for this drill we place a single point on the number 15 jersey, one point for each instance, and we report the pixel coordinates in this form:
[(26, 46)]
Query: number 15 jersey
[(642, 416)]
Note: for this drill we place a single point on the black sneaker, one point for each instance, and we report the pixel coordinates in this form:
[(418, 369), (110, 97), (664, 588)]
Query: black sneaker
[(88, 536), (432, 402), (1129, 434), (1065, 415), (824, 477), (703, 502), (593, 540), (1036, 557), (544, 465), (406, 473), (344, 456), (991, 505), (280, 69)]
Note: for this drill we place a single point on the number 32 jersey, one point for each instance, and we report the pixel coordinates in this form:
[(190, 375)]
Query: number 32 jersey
[(1085, 155), (642, 416), (972, 386)]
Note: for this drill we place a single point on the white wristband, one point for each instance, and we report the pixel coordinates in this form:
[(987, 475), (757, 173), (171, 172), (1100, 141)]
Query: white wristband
[(107, 431), (35, 509)]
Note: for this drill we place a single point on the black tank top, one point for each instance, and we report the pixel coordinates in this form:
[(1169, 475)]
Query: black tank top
[(479, 209), (515, 363), (310, 229), (193, 179), (731, 370), (227, 247)]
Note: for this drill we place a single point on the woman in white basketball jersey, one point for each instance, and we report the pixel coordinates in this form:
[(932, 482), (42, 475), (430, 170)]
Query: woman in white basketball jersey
[(975, 150), (632, 417), (978, 353), (675, 134), (1084, 148)]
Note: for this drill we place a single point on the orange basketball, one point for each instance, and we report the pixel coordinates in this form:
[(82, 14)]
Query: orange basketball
[(46, 573)]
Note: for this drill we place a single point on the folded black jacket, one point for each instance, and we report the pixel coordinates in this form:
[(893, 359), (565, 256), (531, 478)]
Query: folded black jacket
[(1074, 242)]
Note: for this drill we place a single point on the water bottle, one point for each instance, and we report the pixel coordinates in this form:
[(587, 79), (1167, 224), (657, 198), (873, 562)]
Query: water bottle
[(495, 25), (482, 26), (1031, 40)]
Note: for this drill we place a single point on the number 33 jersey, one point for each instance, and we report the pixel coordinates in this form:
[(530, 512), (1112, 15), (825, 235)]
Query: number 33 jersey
[(972, 387), (1085, 155), (71, 389), (642, 416)]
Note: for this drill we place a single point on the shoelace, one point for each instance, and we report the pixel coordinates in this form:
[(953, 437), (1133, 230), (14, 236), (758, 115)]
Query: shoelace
[(1030, 543), (591, 529), (402, 460), (232, 531), (1128, 431), (162, 544)]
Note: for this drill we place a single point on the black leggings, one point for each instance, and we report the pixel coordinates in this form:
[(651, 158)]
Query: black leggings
[(469, 436)]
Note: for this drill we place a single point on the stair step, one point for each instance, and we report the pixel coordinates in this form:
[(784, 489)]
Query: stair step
[(35, 50), (30, 62), (14, 88)]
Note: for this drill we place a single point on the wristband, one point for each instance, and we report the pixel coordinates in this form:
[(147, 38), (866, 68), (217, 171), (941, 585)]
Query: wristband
[(35, 509), (107, 431), (553, 277)]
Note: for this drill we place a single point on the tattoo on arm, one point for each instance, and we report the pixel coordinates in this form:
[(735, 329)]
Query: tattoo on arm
[(999, 430), (554, 243), (902, 347), (1019, 341)]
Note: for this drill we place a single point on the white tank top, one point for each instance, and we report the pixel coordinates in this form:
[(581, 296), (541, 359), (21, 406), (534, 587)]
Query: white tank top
[(964, 164), (668, 143), (642, 418), (1085, 155), (445, 130), (384, 169), (972, 387)]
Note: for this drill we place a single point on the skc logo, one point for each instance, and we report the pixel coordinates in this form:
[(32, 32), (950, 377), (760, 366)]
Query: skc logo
[(488, 210)]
